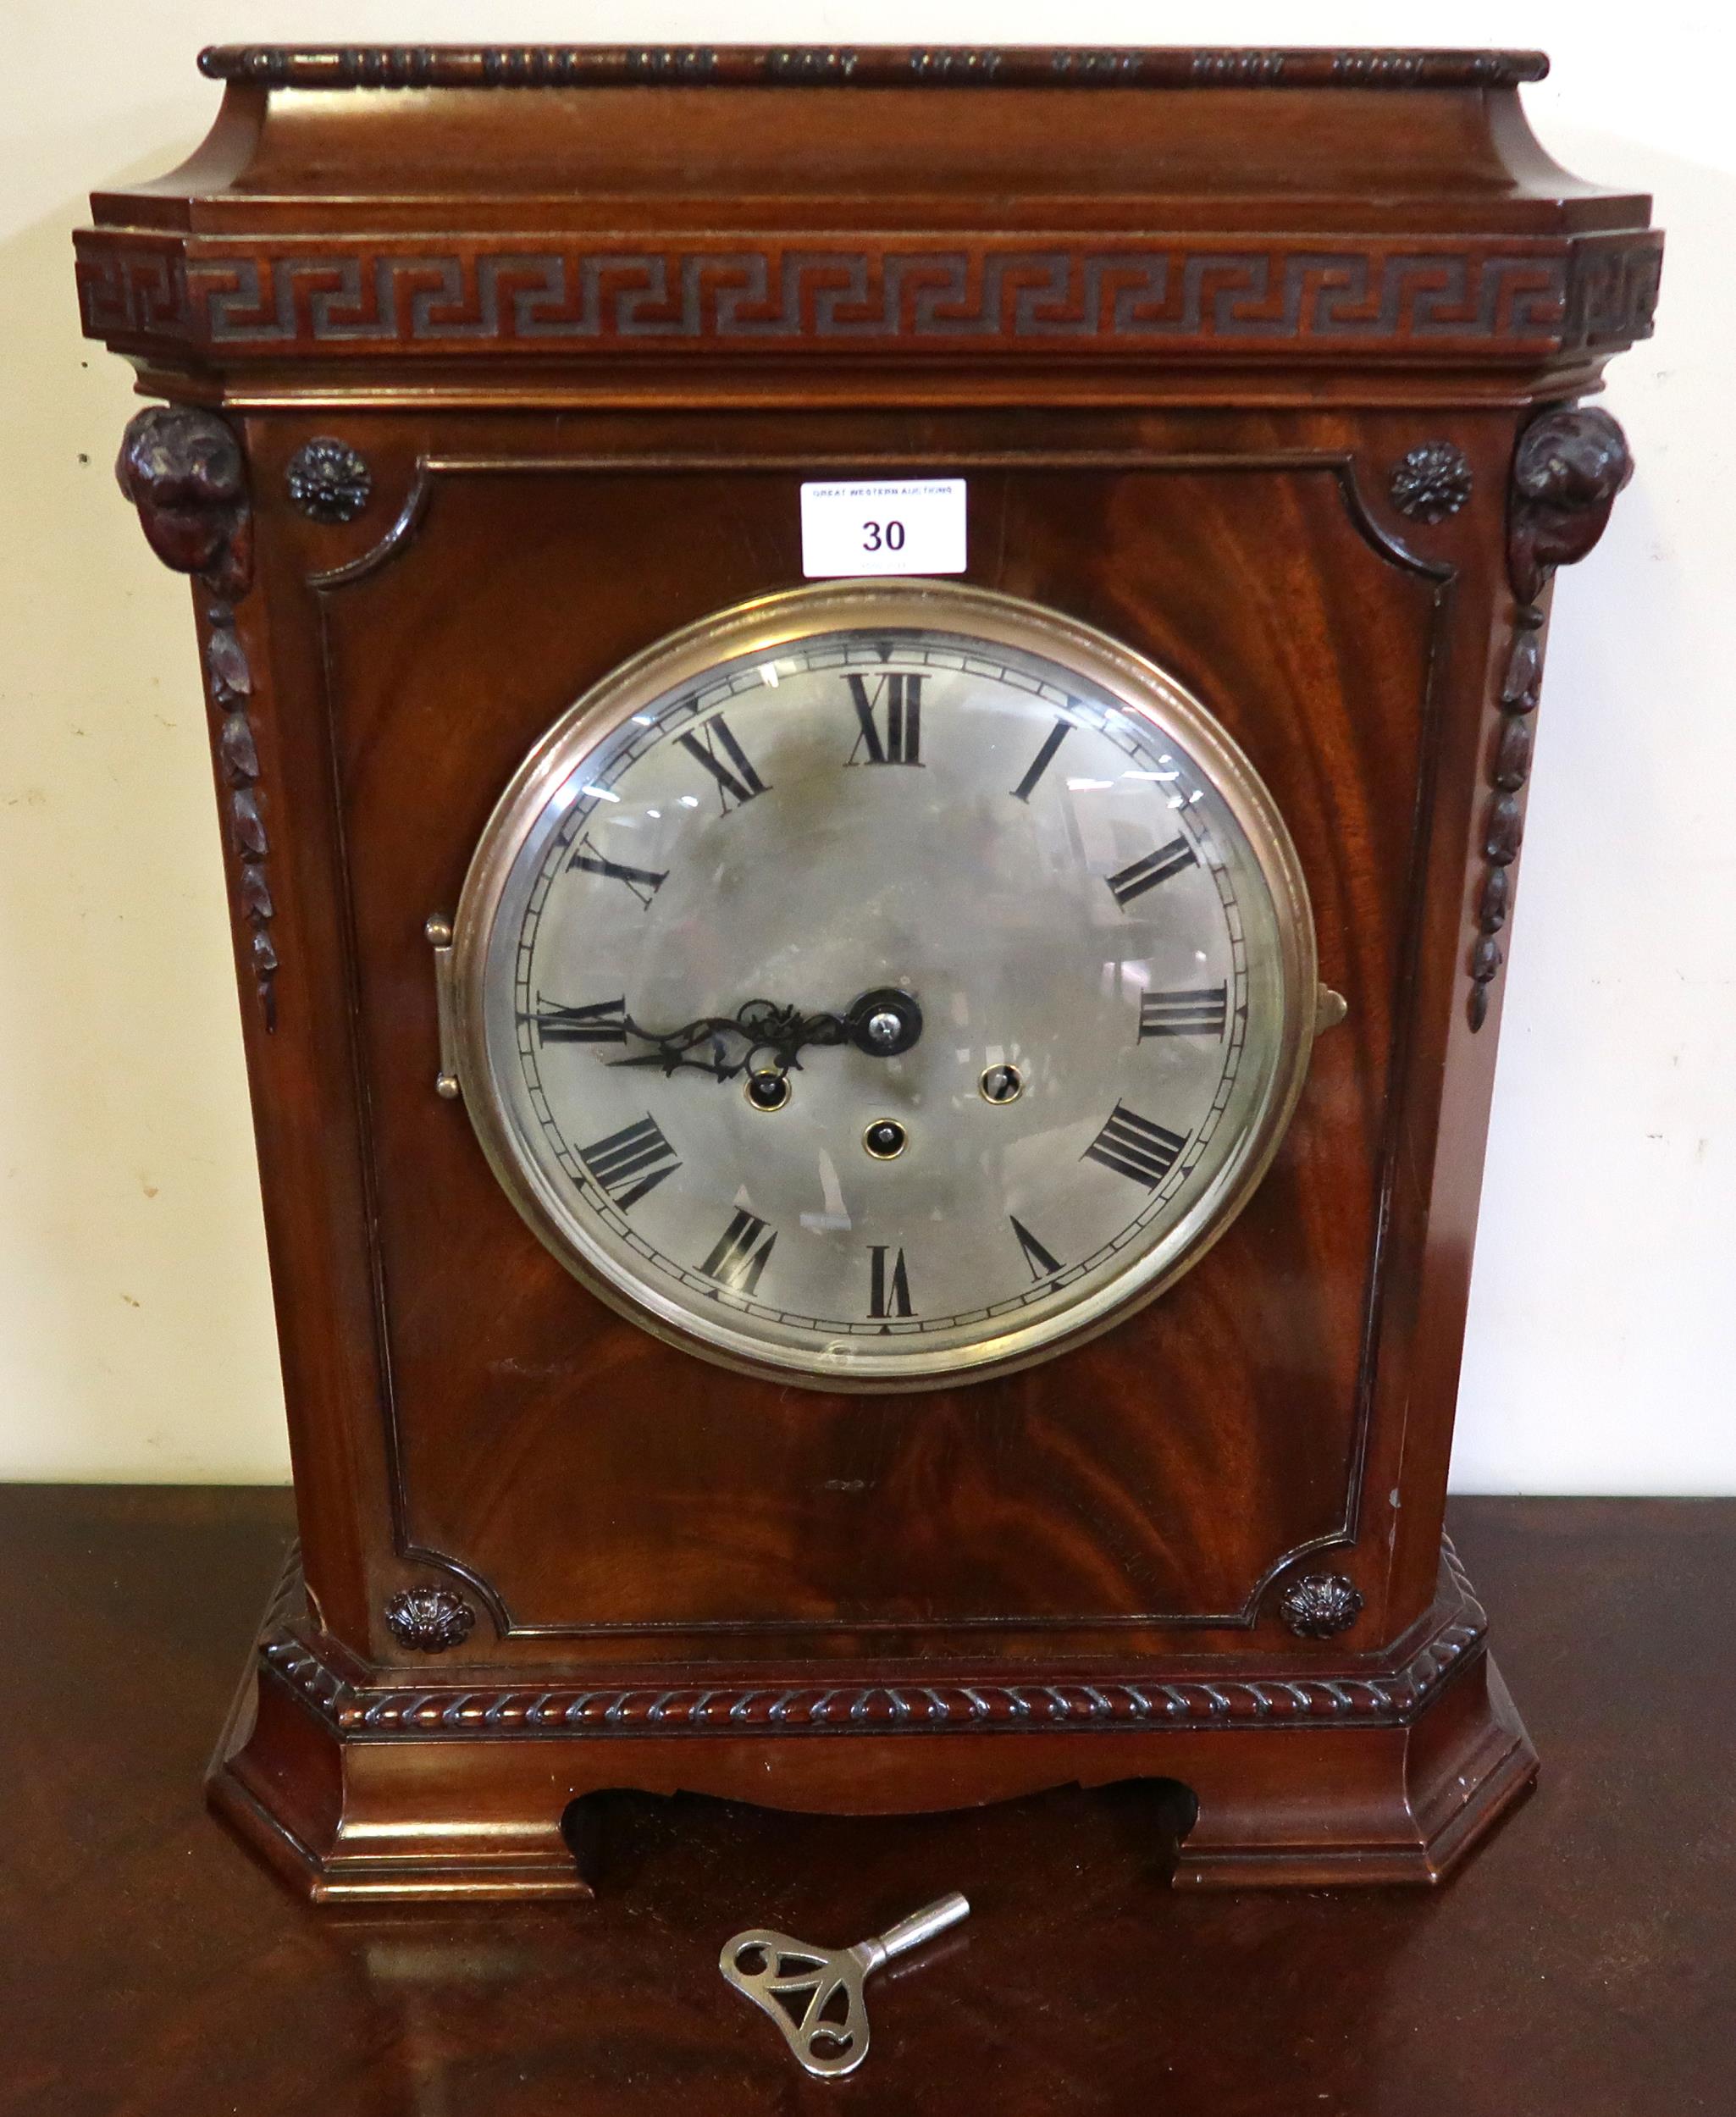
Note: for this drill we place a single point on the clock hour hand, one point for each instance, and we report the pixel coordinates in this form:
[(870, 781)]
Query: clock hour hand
[(762, 1036)]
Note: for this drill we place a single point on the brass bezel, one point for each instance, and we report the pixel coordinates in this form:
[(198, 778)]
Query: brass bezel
[(765, 626)]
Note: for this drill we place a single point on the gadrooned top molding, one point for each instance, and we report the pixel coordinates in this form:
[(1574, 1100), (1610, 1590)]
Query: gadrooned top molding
[(874, 66)]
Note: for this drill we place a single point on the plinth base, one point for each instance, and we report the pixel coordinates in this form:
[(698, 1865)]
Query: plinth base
[(352, 1788)]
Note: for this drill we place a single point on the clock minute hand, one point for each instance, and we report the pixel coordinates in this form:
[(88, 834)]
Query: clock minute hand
[(883, 1023)]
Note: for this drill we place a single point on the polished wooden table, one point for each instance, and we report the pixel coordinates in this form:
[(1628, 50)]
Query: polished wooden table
[(1582, 1962)]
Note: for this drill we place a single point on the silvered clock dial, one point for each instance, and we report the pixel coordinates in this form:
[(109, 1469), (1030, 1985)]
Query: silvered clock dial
[(882, 985)]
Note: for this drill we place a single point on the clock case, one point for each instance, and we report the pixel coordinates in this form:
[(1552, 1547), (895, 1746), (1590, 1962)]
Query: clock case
[(487, 367)]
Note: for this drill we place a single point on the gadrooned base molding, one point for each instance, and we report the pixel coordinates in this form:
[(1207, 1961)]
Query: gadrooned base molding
[(354, 1786)]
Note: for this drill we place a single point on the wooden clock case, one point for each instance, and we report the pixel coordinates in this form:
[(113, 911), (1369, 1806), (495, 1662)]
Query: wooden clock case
[(487, 367)]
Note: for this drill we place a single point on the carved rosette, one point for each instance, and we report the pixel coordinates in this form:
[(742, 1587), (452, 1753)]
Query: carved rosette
[(1569, 466), (184, 470), (1431, 482), (1320, 1606), (328, 480), (429, 1619)]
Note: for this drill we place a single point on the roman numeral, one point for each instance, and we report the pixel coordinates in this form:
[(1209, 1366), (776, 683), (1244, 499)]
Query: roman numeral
[(737, 780), (630, 1163), (643, 884), (1132, 1145), (1044, 758), (605, 1023), (1146, 873), (888, 1291), (1200, 1013), (1038, 1258), (735, 1263), (902, 698)]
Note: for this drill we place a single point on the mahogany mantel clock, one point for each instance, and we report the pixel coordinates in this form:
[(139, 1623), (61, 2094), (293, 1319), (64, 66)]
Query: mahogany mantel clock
[(872, 711)]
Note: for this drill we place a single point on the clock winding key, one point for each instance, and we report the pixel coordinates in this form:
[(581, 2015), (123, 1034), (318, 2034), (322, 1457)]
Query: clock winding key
[(814, 1994)]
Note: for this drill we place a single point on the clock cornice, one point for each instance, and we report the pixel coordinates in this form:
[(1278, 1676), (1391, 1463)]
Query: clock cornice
[(686, 214)]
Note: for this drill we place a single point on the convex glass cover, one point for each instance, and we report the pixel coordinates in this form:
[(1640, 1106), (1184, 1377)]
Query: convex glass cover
[(882, 985)]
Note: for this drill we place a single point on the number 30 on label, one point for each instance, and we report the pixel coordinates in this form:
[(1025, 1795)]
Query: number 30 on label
[(903, 525)]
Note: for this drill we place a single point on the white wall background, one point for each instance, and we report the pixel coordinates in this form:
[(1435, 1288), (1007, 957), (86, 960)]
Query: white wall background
[(136, 1337)]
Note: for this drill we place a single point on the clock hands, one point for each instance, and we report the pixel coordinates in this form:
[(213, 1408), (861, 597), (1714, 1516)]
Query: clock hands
[(726, 1045), (882, 1023)]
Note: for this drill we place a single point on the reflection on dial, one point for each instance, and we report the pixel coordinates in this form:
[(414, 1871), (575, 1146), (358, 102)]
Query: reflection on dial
[(1072, 905)]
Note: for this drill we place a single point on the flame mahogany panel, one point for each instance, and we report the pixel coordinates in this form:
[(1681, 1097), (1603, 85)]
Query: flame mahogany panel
[(593, 1478)]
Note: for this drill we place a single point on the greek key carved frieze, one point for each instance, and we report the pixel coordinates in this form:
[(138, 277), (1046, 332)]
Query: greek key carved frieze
[(922, 298), (1612, 290), (749, 296), (134, 290)]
